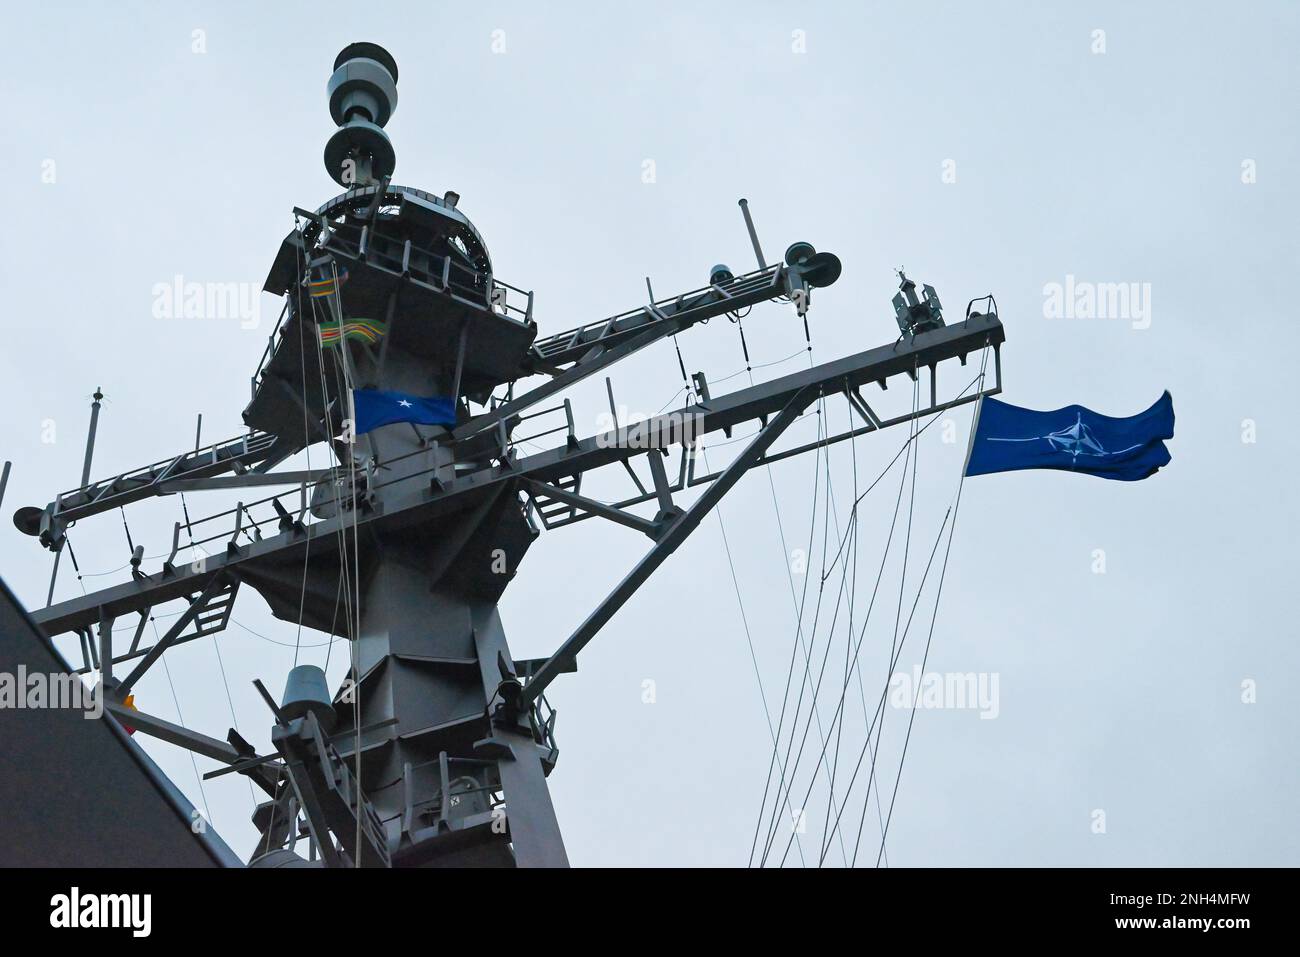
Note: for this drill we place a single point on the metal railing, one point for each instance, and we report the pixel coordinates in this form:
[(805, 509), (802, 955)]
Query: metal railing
[(444, 274), (681, 305)]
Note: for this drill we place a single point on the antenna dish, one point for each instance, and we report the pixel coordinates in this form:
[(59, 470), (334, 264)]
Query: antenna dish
[(822, 269), (28, 520), (798, 252), (816, 269)]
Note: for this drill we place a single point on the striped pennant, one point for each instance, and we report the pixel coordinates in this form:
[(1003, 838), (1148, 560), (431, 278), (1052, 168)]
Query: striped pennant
[(326, 287), (363, 330)]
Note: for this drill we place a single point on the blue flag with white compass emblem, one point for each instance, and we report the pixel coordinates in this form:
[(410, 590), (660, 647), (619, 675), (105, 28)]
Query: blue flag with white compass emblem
[(1074, 439), (375, 407)]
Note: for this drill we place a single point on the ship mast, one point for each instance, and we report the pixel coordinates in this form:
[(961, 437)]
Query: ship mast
[(437, 747)]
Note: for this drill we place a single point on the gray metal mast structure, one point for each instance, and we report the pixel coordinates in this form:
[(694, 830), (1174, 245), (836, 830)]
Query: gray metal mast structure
[(428, 524)]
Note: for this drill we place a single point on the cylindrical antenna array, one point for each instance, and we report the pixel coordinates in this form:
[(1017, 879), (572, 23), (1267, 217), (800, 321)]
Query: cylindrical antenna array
[(362, 96)]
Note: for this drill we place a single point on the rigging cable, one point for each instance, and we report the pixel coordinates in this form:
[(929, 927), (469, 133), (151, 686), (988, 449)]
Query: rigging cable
[(914, 436), (336, 301), (735, 581), (782, 792), (347, 580), (884, 692), (340, 533), (344, 590), (816, 687), (979, 379), (307, 443), (862, 692), (978, 382), (848, 643), (800, 605), (822, 432), (256, 634), (884, 558), (750, 641), (902, 584), (806, 680), (934, 616), (800, 642), (824, 424), (180, 719), (794, 646), (234, 722)]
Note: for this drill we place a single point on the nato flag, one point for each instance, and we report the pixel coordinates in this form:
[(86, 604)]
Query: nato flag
[(1074, 439), (375, 407)]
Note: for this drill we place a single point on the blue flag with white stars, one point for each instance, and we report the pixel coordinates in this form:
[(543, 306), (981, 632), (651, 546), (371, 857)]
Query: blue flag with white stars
[(375, 407), (1074, 439)]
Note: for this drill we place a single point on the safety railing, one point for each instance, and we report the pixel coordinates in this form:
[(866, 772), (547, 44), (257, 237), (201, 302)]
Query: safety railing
[(705, 300)]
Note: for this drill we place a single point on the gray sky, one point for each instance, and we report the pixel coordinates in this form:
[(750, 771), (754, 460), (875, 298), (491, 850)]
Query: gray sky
[(989, 148)]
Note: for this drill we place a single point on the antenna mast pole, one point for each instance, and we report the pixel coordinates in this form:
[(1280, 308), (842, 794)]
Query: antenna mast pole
[(90, 437)]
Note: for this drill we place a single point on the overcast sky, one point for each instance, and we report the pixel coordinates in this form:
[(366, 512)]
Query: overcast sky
[(1141, 636)]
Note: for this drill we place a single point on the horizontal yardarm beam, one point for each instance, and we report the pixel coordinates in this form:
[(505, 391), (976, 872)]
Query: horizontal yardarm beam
[(415, 503), (156, 479), (768, 398), (875, 426)]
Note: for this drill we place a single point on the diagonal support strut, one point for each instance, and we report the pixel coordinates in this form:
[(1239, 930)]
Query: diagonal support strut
[(677, 533)]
